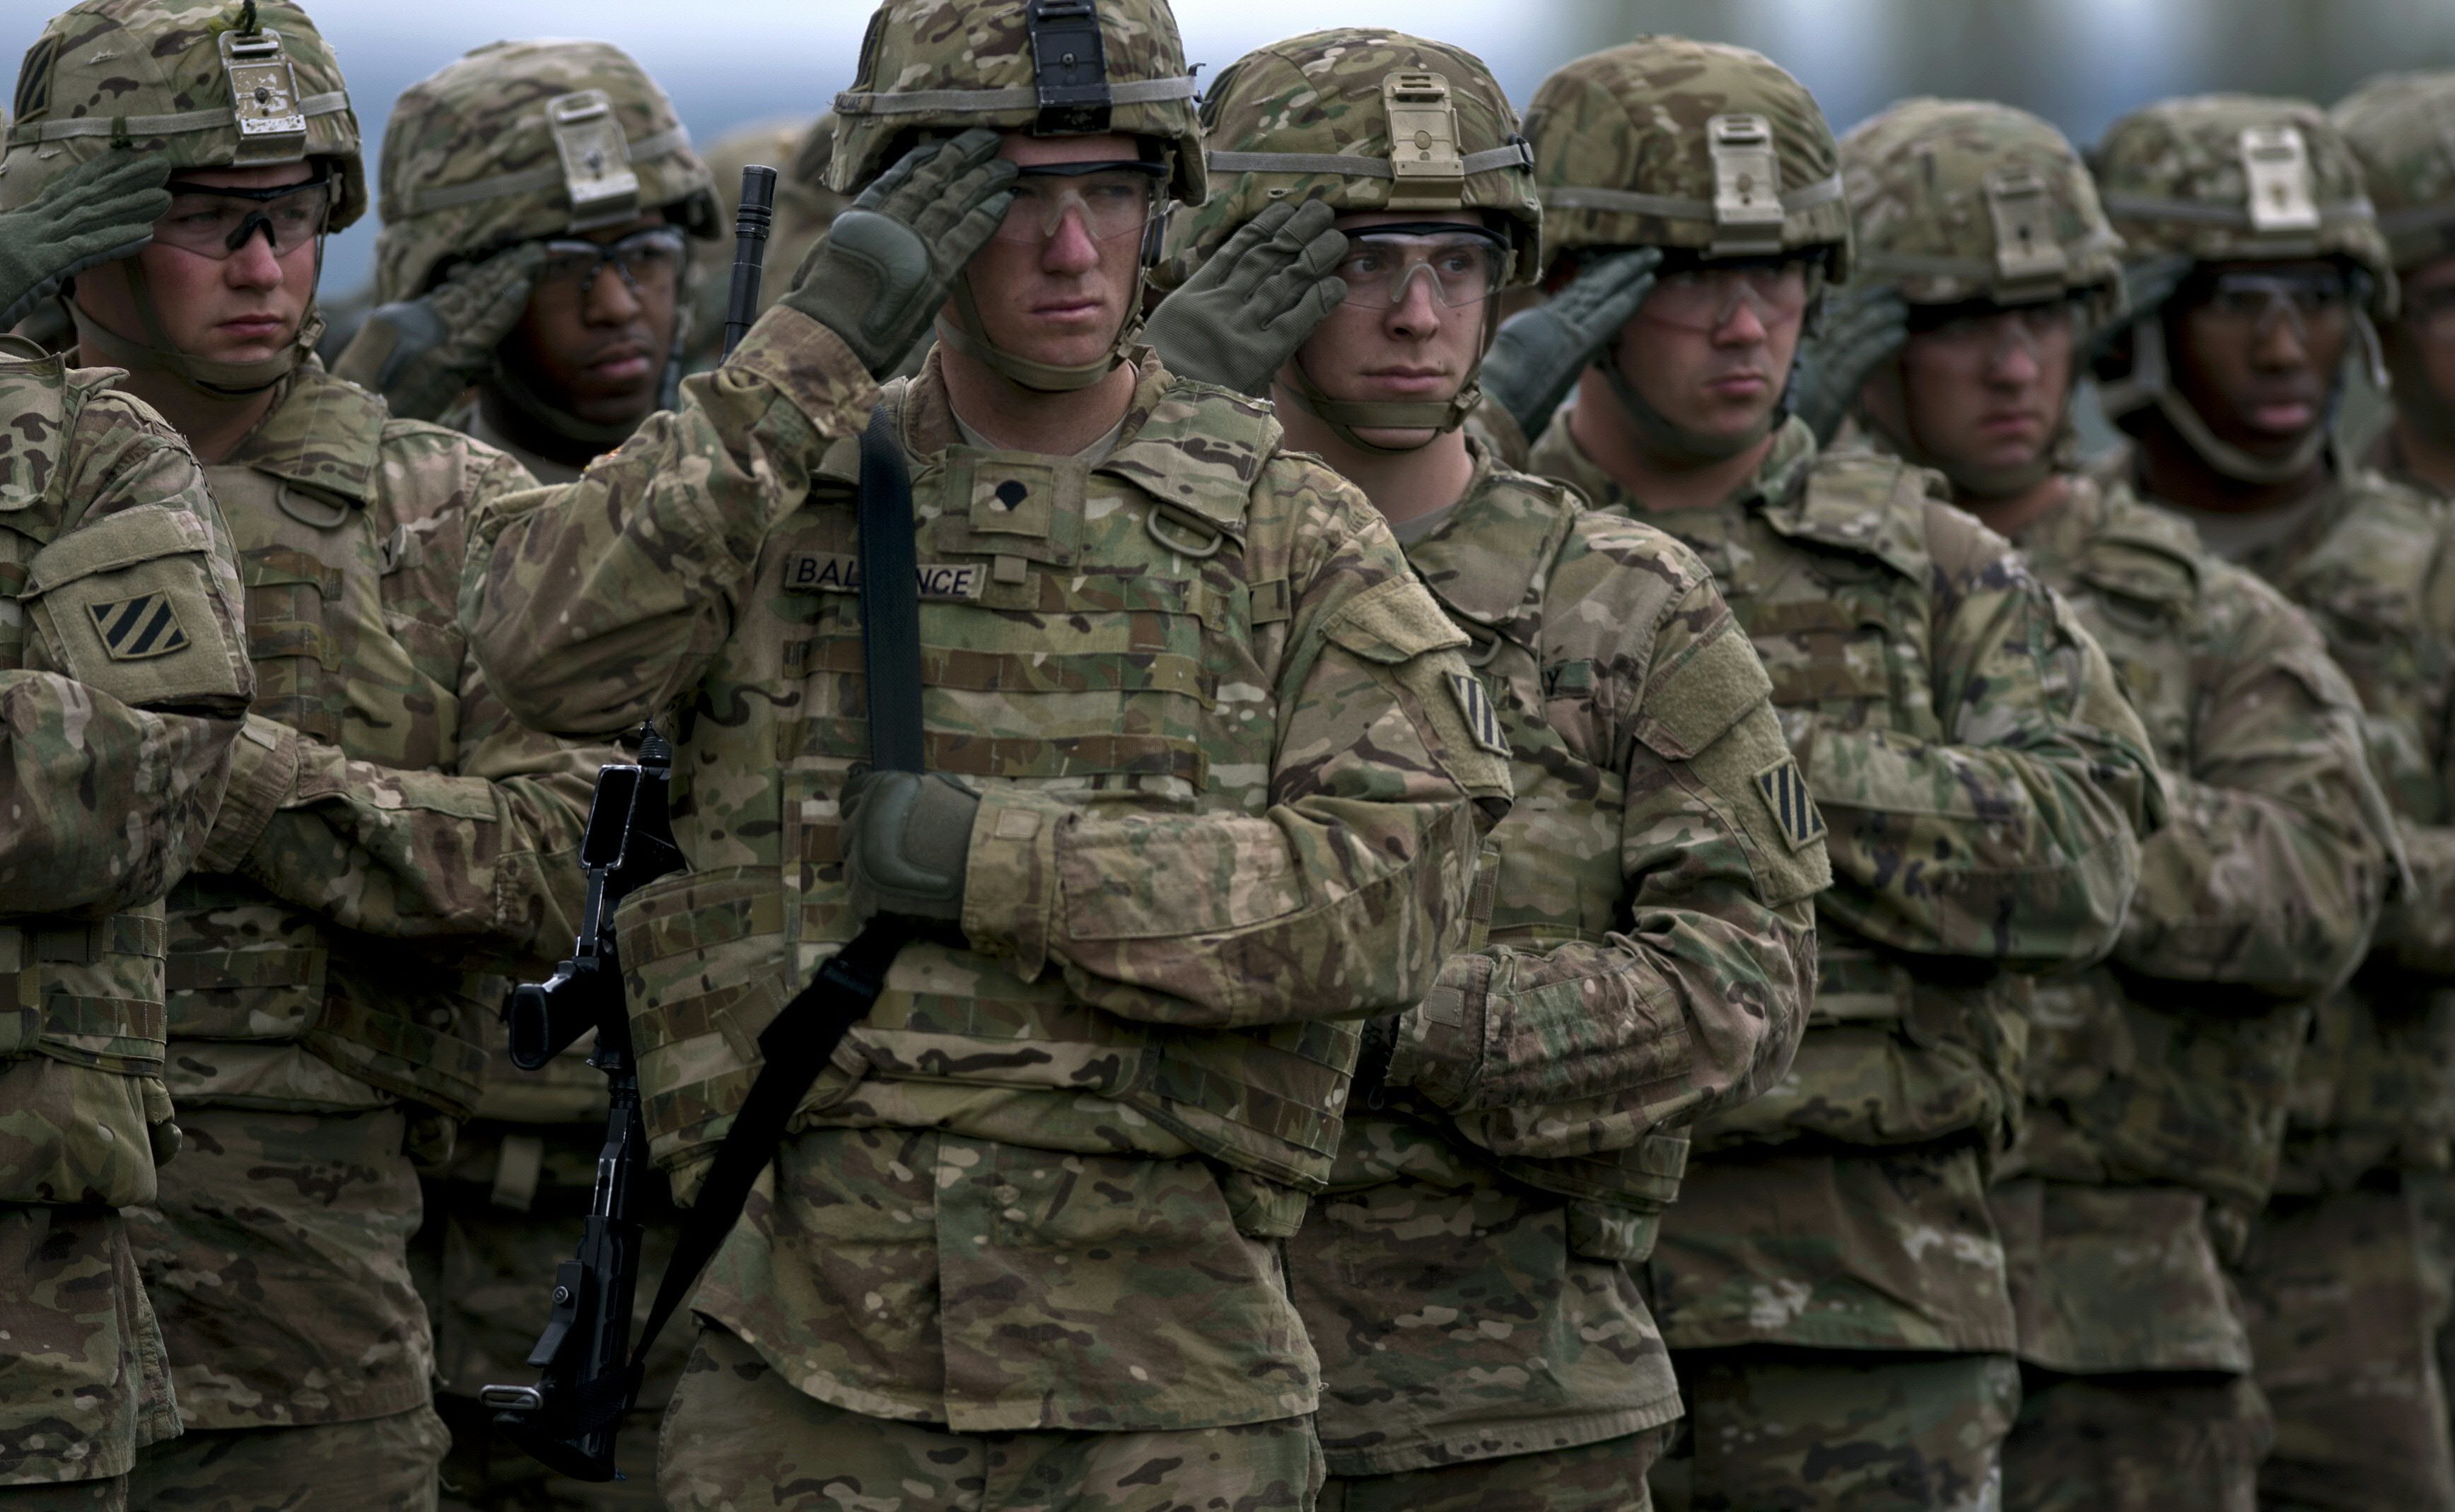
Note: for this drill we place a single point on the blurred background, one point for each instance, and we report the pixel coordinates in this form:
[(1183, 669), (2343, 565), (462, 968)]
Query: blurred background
[(2079, 63)]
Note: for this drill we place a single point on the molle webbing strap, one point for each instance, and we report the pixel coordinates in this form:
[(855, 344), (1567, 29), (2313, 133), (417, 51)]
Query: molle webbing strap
[(528, 181), (27, 133)]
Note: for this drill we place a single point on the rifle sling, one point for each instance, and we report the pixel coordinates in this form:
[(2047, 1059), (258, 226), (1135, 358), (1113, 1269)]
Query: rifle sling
[(798, 1044)]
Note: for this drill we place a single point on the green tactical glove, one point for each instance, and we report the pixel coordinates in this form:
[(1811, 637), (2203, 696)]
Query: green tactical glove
[(1237, 321), (422, 354), (909, 835), (100, 209), (1866, 324), (880, 273), (1536, 357)]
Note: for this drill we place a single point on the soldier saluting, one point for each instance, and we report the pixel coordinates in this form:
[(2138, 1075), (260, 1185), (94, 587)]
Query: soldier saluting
[(1205, 791)]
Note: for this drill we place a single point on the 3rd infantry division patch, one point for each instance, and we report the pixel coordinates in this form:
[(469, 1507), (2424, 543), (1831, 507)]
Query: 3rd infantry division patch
[(135, 629), (1482, 719), (1784, 788)]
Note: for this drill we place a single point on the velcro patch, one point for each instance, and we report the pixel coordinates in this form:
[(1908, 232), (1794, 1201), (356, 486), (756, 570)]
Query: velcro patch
[(139, 629), (1482, 719), (819, 573), (1784, 790)]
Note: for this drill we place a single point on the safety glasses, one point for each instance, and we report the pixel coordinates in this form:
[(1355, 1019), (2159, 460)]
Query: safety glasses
[(1706, 296), (1111, 199), (650, 259), (2252, 302), (213, 221), (1980, 337), (1458, 267)]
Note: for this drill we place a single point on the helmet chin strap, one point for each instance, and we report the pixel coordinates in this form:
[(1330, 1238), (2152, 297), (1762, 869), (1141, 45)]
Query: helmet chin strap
[(2150, 382), (1975, 480), (212, 378), (1665, 437), (967, 335), (1435, 417)]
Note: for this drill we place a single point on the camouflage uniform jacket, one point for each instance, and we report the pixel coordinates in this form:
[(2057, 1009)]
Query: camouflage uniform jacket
[(2374, 567), (1986, 784), (1652, 949), (1230, 805), (393, 845), (2158, 1078), (121, 607)]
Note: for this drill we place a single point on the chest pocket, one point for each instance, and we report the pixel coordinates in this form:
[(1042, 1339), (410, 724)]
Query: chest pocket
[(329, 660), (1841, 651)]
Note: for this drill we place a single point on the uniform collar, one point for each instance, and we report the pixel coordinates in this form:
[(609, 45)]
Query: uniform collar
[(321, 433), (1484, 562)]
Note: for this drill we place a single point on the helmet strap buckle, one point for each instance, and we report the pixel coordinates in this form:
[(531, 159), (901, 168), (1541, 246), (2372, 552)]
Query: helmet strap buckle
[(595, 159), (1748, 212), (1425, 170), (2029, 263), (2276, 169), (1070, 68), (264, 99)]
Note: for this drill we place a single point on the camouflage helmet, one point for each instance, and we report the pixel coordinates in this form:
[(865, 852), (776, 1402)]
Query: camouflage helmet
[(218, 84), (1961, 201), (1309, 118), (1664, 142), (2240, 177), (1053, 67), (2401, 129), (517, 141)]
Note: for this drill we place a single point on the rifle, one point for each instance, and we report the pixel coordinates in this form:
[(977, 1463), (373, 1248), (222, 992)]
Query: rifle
[(752, 217), (570, 1418)]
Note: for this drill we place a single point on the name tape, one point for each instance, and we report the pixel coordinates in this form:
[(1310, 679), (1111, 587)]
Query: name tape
[(818, 572)]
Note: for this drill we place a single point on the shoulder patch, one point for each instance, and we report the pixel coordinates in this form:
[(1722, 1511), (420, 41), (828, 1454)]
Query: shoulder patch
[(1482, 719), (139, 628), (1783, 787)]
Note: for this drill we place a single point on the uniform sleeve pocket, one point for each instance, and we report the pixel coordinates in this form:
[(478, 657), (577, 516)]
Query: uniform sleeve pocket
[(128, 605)]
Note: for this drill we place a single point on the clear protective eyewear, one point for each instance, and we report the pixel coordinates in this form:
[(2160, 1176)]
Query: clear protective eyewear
[(2251, 302), (1706, 296), (1112, 199), (1460, 267), (1978, 339), (645, 259), (215, 221)]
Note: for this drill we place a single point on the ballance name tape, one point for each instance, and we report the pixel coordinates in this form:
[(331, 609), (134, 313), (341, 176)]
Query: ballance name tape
[(818, 572)]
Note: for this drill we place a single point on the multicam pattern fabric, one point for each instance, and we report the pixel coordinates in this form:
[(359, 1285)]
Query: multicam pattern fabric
[(378, 1464), (2136, 1443), (1652, 950), (1983, 780), (108, 803), (980, 48), (2396, 125), (392, 846), (1939, 189), (739, 1432), (105, 59), (1632, 119), (1321, 94), (2159, 1078), (1608, 1476), (485, 118), (2173, 179), (1226, 780)]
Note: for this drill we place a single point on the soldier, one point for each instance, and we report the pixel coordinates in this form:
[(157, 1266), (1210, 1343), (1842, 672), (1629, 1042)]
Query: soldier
[(2392, 123), (125, 680), (1831, 1284), (1205, 793), (1467, 1279), (800, 149), (2258, 267), (392, 843), (2158, 1079), (539, 199)]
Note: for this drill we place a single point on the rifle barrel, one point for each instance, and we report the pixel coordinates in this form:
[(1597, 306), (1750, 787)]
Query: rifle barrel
[(751, 222)]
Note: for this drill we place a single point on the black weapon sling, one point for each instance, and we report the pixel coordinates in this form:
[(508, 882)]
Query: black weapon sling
[(797, 1045)]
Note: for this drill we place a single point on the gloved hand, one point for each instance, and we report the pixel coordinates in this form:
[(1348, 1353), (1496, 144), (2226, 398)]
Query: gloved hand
[(1237, 321), (908, 839), (421, 354), (1865, 324), (102, 208), (1537, 356), (880, 273)]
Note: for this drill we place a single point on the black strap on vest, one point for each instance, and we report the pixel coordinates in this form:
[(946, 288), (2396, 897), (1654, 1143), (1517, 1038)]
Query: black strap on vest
[(797, 1045)]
